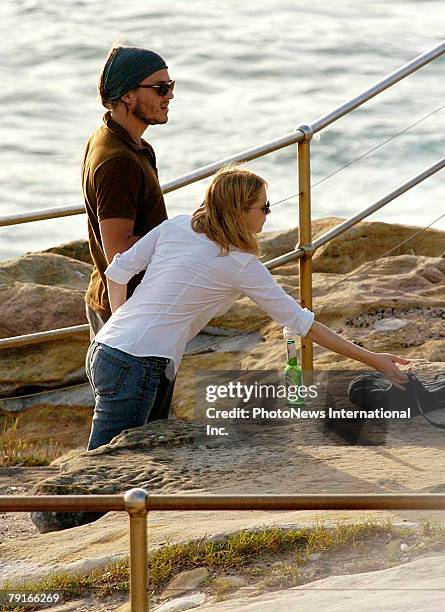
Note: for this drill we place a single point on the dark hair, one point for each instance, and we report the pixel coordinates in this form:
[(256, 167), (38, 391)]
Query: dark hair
[(110, 105)]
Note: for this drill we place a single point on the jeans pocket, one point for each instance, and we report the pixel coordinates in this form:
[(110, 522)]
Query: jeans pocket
[(107, 373)]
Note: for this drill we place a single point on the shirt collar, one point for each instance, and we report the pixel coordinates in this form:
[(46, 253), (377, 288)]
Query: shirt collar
[(116, 129)]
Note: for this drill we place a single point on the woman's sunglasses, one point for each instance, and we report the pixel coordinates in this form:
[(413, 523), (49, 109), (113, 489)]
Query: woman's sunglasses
[(266, 208), (161, 88)]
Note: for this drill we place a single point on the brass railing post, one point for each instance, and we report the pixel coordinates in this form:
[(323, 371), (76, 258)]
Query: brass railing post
[(136, 506), (305, 240)]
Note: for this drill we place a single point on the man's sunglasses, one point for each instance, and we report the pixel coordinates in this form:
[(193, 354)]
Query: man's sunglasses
[(161, 88)]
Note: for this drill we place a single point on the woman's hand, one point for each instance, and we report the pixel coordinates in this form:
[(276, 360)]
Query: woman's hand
[(386, 364)]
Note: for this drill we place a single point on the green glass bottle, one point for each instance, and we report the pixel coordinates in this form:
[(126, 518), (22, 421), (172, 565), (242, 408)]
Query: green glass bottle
[(293, 375)]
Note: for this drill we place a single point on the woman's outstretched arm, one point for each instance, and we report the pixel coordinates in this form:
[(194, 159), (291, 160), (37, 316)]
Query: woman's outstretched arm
[(384, 362), (258, 283)]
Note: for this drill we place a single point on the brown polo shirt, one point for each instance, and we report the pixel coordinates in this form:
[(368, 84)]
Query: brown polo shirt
[(119, 180)]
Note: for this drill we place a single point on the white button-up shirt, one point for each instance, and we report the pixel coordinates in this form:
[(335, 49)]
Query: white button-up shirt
[(187, 283)]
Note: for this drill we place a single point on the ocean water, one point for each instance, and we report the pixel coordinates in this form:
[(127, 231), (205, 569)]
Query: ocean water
[(246, 73)]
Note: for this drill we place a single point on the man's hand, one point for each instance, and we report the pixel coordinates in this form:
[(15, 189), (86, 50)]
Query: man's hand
[(117, 236)]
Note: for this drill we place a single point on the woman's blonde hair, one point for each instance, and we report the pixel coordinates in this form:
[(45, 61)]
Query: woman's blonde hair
[(220, 217)]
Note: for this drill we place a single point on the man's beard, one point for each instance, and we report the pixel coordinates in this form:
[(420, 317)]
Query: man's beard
[(140, 113)]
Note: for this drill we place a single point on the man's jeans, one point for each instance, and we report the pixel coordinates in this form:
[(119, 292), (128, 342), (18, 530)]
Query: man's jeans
[(130, 391)]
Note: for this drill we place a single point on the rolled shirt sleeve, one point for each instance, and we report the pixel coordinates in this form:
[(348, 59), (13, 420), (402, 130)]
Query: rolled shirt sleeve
[(257, 282), (125, 265)]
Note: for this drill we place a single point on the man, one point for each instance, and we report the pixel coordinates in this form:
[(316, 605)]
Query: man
[(122, 194)]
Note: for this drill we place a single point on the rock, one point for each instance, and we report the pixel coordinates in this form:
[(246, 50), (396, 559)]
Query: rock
[(413, 335), (432, 274), (387, 325), (160, 435), (249, 591), (410, 587), (76, 249), (28, 308), (46, 433), (436, 351), (68, 456), (42, 291), (231, 582), (183, 603), (186, 581), (411, 314), (235, 342), (368, 240), (440, 488), (45, 269), (273, 244), (217, 538), (391, 283), (76, 395), (32, 369), (57, 521), (71, 606)]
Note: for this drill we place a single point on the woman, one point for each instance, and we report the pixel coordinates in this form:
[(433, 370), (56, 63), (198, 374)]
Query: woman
[(196, 268)]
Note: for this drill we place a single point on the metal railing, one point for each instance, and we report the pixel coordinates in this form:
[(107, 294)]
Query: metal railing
[(138, 502), (305, 249), (309, 248)]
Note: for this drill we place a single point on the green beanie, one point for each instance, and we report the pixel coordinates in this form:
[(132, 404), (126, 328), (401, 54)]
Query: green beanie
[(126, 68)]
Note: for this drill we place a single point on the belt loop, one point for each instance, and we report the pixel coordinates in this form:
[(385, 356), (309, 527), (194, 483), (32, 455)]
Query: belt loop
[(170, 370)]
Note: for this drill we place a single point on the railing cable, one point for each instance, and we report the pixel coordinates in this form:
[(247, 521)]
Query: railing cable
[(352, 161)]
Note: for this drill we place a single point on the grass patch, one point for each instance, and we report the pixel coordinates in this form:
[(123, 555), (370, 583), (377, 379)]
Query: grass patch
[(17, 450), (254, 553)]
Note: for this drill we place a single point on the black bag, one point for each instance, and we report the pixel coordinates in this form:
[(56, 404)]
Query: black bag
[(372, 390)]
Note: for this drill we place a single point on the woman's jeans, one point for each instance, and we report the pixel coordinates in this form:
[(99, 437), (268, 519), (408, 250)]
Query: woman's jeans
[(130, 391)]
